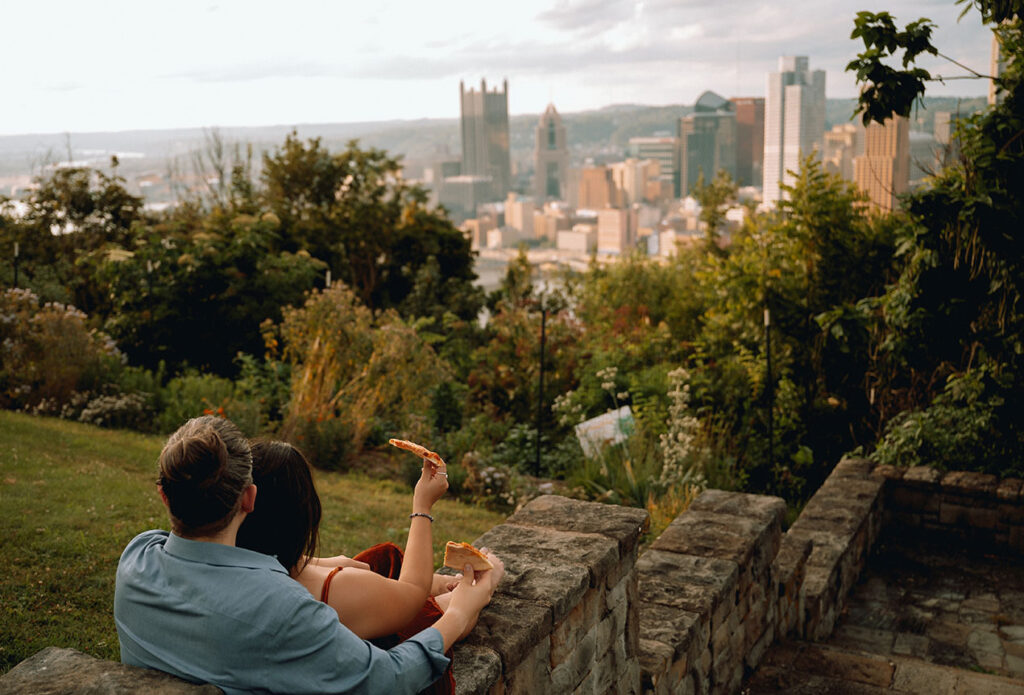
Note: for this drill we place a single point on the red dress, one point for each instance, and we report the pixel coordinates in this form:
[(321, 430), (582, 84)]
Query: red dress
[(386, 560)]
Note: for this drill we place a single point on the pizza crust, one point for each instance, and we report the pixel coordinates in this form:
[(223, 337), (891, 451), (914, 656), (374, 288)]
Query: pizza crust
[(458, 555)]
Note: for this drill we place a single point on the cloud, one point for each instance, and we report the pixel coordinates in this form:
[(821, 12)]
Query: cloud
[(585, 15)]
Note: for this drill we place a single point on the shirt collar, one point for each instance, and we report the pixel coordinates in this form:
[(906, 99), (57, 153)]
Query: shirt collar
[(219, 554)]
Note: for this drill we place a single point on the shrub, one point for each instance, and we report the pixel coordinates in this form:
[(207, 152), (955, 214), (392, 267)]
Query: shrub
[(194, 394), (326, 442), (48, 352)]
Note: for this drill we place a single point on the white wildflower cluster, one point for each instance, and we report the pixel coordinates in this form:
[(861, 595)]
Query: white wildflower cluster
[(607, 377), (681, 455), (570, 412), (118, 410)]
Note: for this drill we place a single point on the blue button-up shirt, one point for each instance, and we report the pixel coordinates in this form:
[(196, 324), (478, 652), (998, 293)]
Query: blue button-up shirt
[(213, 613)]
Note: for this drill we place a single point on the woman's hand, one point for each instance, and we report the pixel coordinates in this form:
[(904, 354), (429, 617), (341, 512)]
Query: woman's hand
[(443, 583), (430, 487)]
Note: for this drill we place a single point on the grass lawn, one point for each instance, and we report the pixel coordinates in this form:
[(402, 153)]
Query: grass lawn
[(72, 496)]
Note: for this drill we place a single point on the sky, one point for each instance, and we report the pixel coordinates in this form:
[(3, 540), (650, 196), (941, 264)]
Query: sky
[(81, 66)]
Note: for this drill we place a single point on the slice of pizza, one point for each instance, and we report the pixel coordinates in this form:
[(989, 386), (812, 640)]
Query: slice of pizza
[(421, 451), (458, 555)]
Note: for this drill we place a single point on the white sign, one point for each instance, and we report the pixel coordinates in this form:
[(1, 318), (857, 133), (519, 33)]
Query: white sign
[(605, 430)]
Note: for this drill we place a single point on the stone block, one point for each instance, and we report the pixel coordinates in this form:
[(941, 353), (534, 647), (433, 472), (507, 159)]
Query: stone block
[(695, 584), (654, 658), (970, 483), (852, 468), (710, 534), (617, 594), (567, 675), (981, 518), (543, 564), (923, 477), (764, 508), (758, 649), (533, 674), (887, 472), (916, 677), (512, 627), (678, 629), (56, 671), (625, 525), (580, 620), (476, 669), (1009, 490), (951, 514)]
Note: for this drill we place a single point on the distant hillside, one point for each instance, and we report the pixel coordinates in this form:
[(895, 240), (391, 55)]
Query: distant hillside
[(601, 134)]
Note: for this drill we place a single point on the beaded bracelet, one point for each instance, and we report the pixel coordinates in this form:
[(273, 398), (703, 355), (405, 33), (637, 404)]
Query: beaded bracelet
[(427, 516)]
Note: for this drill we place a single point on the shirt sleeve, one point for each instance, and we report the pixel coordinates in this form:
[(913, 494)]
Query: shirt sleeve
[(320, 655)]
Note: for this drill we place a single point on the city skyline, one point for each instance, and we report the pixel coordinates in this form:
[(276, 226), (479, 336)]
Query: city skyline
[(135, 66)]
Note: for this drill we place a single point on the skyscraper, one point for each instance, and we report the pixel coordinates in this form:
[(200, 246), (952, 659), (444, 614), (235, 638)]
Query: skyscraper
[(794, 121), (883, 171), (664, 149), (749, 139), (485, 136), (551, 174), (707, 138)]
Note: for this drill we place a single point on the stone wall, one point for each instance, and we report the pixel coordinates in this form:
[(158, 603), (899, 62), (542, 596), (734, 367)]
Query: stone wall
[(706, 597), (565, 618), (977, 507), (834, 532)]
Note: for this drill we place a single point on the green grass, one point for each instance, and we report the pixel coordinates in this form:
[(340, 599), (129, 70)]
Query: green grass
[(72, 496)]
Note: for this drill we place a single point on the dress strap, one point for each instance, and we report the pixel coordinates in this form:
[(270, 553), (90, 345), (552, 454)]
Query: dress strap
[(326, 590)]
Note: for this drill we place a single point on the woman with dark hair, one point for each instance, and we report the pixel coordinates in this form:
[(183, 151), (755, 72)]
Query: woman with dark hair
[(379, 594), (193, 604)]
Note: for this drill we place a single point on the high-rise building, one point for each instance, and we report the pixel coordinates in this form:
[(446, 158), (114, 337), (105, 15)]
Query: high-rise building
[(664, 149), (596, 190), (485, 136), (551, 173), (749, 139), (707, 139), (794, 122), (631, 179), (883, 171), (519, 214), (843, 144)]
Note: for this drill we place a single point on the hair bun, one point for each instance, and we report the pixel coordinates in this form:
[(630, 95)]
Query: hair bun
[(198, 459)]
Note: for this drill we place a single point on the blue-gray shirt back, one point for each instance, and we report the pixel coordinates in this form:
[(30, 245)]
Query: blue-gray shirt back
[(212, 613)]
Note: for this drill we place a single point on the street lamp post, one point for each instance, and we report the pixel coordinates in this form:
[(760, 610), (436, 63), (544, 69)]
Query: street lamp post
[(540, 387), (769, 391), (16, 264)]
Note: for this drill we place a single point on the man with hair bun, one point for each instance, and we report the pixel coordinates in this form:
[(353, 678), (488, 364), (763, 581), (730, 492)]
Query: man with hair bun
[(192, 604)]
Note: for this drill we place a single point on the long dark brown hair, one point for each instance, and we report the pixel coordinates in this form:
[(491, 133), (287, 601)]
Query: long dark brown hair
[(286, 520)]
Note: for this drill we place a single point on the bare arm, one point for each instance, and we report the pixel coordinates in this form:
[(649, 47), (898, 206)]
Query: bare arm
[(371, 605), (418, 563)]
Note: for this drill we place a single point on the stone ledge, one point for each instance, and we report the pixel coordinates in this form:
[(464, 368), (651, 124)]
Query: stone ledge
[(625, 525), (761, 507), (58, 671)]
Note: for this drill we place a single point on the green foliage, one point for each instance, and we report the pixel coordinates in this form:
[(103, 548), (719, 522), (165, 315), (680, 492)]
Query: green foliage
[(194, 291), (49, 352), (347, 366), (193, 394), (969, 426)]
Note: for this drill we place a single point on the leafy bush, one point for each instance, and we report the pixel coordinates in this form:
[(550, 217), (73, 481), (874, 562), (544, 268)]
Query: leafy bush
[(48, 352), (327, 442), (969, 426), (194, 394)]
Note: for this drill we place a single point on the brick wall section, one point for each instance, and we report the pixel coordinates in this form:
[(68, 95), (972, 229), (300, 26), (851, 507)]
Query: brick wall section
[(564, 619), (707, 604), (977, 507)]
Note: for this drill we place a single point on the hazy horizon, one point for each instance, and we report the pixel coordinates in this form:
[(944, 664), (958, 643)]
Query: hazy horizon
[(232, 64)]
